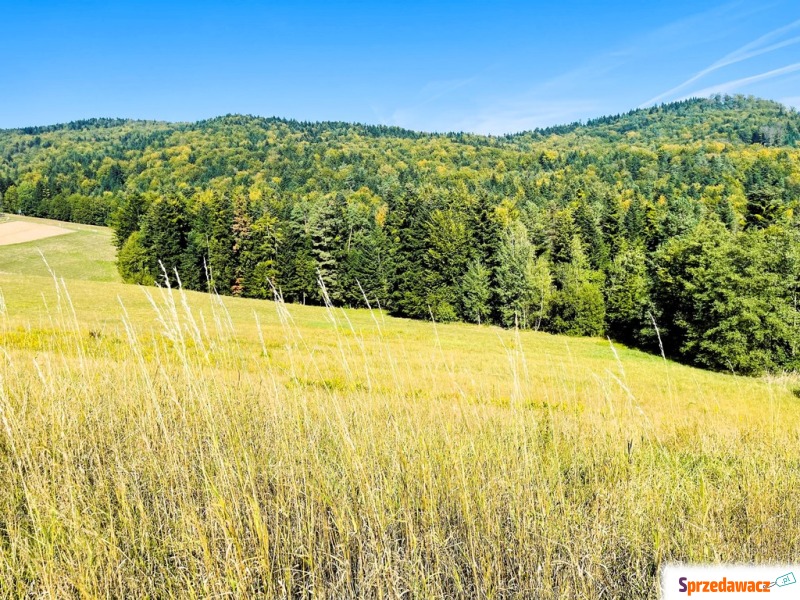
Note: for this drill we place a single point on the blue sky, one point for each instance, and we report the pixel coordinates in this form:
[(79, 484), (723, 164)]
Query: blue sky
[(486, 67)]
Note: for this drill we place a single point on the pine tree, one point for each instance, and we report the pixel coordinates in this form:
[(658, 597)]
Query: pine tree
[(165, 229), (727, 215), (258, 257), (764, 191), (126, 219), (578, 306), (476, 293), (326, 241), (133, 261), (449, 249), (241, 230), (561, 237), (406, 224), (634, 223), (524, 287), (591, 236), (221, 254), (627, 296)]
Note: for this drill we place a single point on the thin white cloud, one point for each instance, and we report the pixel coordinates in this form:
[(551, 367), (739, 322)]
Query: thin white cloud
[(746, 52), (559, 99), (678, 34), (589, 89), (738, 84), (562, 98), (412, 116), (436, 89), (554, 101)]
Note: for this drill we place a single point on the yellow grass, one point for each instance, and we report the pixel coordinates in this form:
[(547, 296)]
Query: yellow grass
[(169, 445)]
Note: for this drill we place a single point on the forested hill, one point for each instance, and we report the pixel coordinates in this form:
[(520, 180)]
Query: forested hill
[(731, 119), (683, 215)]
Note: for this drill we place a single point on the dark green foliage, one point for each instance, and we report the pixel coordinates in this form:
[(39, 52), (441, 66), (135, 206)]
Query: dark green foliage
[(327, 239), (627, 294), (164, 234), (590, 234), (90, 209), (133, 261), (764, 188), (221, 255), (634, 223), (258, 258), (727, 215), (563, 234), (524, 284), (296, 267), (684, 214), (476, 293), (449, 249), (578, 306), (9, 200), (729, 302), (730, 118), (407, 226)]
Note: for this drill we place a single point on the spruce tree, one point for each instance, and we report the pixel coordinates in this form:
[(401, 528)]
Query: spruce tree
[(476, 293), (578, 306)]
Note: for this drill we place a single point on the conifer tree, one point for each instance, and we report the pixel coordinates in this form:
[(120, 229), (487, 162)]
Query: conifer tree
[(476, 293), (165, 229), (578, 306), (627, 296), (524, 284)]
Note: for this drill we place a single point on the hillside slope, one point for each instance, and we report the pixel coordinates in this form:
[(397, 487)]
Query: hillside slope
[(86, 253), (161, 443), (684, 215), (188, 444)]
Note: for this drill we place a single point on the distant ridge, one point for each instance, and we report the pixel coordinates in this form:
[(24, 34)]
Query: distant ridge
[(728, 116), (732, 117)]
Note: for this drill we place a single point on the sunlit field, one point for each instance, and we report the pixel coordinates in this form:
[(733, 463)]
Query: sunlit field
[(165, 444), (85, 253)]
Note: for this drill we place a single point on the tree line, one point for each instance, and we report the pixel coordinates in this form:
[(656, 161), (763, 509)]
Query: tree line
[(672, 229)]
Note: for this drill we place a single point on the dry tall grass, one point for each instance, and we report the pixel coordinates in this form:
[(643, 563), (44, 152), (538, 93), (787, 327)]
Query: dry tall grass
[(185, 447)]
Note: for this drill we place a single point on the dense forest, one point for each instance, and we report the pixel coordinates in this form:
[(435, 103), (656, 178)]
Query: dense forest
[(673, 228)]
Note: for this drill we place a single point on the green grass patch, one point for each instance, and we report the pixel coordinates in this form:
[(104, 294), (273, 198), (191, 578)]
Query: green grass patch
[(87, 253)]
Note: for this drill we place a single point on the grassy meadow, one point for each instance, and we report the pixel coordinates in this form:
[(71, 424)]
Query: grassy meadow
[(85, 253), (164, 444)]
